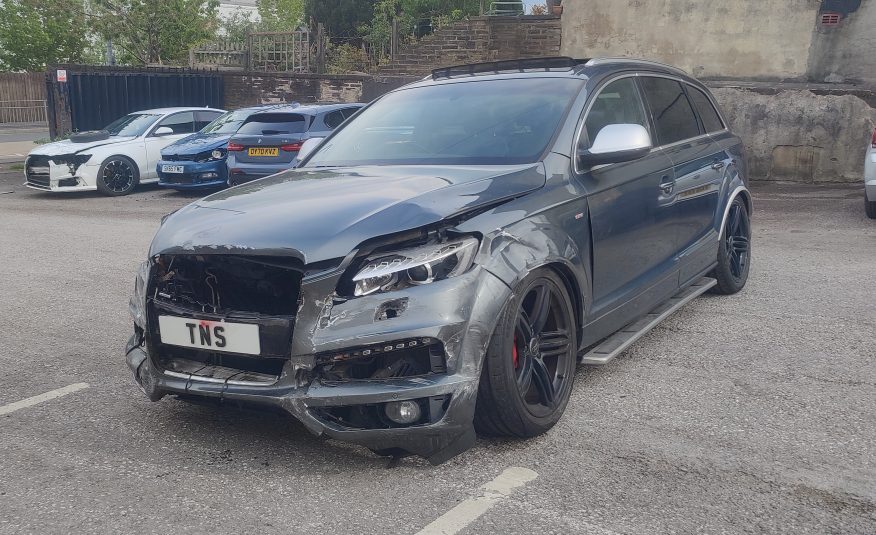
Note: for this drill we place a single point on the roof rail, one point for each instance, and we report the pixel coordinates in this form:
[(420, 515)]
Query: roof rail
[(604, 61), (522, 64)]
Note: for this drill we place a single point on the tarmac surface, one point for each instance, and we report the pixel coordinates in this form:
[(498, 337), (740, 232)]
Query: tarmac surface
[(744, 414)]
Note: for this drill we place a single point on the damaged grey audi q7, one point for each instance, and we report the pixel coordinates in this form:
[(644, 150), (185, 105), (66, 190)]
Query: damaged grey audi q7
[(440, 263)]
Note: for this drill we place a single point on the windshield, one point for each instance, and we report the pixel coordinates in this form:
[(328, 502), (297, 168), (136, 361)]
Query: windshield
[(227, 123), (483, 123), (131, 125)]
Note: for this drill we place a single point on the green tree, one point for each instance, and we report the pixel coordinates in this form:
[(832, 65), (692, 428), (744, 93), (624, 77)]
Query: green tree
[(35, 33), (238, 25), (155, 31), (348, 19), (412, 14), (280, 15)]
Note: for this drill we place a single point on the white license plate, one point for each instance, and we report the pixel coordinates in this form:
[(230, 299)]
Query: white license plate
[(210, 335), (172, 169)]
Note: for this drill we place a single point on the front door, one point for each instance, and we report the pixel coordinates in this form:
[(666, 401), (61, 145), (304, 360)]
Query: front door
[(633, 242), (182, 124)]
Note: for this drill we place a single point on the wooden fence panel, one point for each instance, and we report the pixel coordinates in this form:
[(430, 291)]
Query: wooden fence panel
[(22, 97)]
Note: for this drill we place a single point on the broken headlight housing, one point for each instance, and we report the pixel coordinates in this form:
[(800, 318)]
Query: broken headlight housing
[(416, 266), (72, 161), (137, 304)]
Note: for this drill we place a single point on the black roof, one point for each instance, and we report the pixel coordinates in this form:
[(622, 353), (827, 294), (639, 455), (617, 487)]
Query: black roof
[(556, 65)]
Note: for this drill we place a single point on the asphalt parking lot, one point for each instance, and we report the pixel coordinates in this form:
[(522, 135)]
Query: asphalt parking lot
[(744, 414)]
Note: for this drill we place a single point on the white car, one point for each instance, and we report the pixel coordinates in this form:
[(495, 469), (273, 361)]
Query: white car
[(870, 179), (113, 160)]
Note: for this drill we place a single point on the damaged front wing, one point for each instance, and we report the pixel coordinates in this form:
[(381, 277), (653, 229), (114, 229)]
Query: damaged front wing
[(458, 313)]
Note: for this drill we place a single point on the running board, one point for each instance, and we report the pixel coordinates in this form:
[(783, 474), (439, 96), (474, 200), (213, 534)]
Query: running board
[(615, 344)]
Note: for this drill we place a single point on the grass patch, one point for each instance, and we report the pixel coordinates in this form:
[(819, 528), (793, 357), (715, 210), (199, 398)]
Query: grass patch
[(17, 167)]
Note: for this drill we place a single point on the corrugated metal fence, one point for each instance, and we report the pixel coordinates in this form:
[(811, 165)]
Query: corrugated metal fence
[(22, 97), (92, 97)]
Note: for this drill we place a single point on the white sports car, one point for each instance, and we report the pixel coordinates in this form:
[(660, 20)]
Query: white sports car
[(870, 179), (113, 160)]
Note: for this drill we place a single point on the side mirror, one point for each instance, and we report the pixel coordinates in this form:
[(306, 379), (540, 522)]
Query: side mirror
[(163, 131), (308, 146), (616, 143)]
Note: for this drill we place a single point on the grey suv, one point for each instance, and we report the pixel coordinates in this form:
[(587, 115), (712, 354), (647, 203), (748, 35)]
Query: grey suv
[(441, 262)]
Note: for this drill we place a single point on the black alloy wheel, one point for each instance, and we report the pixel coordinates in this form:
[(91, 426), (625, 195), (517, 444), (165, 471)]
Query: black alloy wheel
[(734, 250), (117, 176), (530, 363)]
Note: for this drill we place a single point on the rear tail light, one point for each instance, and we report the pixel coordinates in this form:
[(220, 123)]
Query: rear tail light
[(235, 147), (873, 141), (291, 147)]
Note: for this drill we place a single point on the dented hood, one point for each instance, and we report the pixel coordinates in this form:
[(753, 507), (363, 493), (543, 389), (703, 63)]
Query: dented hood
[(66, 146), (320, 214)]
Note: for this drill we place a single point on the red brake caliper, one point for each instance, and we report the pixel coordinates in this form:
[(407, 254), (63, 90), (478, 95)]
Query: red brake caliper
[(514, 353)]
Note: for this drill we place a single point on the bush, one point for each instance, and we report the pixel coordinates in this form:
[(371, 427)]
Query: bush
[(343, 59)]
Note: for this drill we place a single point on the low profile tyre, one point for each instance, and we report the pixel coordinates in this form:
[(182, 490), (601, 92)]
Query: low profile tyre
[(869, 206), (734, 251), (117, 176), (530, 362)]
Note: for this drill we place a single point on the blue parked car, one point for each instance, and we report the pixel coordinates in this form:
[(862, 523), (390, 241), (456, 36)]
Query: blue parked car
[(268, 142), (198, 161)]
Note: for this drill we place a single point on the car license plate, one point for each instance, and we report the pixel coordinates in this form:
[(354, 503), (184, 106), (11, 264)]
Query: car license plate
[(263, 151), (210, 335), (172, 169)]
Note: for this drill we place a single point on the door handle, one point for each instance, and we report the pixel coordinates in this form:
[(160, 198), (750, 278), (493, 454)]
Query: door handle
[(718, 165)]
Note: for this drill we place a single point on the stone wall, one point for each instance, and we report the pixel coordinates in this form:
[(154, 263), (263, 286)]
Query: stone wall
[(479, 39), (800, 134)]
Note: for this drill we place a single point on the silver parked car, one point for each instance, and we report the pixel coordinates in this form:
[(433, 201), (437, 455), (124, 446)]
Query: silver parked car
[(870, 179)]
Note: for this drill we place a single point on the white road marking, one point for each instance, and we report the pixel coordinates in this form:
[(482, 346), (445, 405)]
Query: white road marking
[(30, 402), (466, 512)]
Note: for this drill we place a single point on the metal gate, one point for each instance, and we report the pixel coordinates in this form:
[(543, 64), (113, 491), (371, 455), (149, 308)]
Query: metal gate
[(91, 99)]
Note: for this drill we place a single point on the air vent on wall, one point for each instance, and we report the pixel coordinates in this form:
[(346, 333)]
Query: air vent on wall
[(830, 19)]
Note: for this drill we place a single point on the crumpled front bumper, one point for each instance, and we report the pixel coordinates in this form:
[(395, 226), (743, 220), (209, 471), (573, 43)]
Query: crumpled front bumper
[(460, 313)]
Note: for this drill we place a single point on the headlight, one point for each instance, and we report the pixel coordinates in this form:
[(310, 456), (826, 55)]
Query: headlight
[(210, 156), (137, 304), (415, 266)]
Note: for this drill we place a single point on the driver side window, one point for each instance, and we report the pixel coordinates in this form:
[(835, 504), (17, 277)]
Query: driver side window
[(180, 123), (617, 103)]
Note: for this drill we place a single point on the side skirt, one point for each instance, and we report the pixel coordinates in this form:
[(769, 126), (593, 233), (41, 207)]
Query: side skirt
[(615, 344)]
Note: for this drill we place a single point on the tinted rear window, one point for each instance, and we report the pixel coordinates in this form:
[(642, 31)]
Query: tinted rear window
[(708, 113), (266, 124), (673, 115)]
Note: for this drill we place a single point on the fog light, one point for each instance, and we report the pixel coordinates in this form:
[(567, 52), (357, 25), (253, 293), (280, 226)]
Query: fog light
[(403, 412), (209, 175)]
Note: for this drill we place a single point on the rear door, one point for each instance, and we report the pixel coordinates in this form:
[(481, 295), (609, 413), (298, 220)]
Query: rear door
[(631, 225), (182, 124), (205, 117), (697, 167), (271, 138)]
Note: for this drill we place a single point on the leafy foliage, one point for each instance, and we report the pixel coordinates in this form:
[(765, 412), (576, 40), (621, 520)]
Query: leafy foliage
[(415, 17), (280, 15), (346, 58), (237, 26), (35, 33), (155, 31), (343, 19)]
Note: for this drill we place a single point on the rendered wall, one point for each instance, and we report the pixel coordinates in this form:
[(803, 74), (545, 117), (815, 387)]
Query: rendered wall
[(801, 135)]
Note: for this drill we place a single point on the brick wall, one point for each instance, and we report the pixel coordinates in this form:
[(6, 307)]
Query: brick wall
[(251, 89), (479, 39)]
